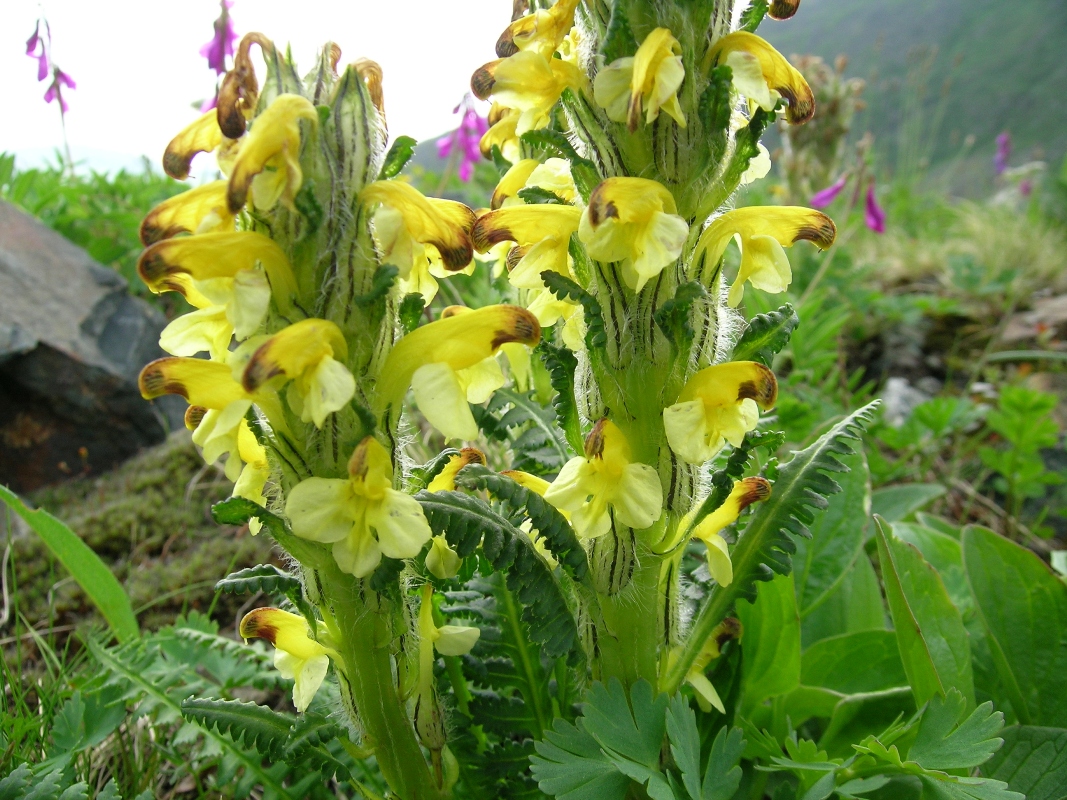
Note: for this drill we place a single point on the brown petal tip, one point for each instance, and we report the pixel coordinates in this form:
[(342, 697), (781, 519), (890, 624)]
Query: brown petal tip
[(763, 389), (783, 9)]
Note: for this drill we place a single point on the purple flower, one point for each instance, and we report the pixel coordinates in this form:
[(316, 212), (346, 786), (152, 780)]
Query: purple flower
[(824, 197), (37, 41), (55, 91), (873, 215), (221, 44), (1000, 160), (465, 139)]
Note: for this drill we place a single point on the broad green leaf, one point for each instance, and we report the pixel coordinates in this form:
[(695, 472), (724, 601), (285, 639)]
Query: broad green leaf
[(571, 766), (895, 503), (821, 562), (860, 715), (944, 554), (84, 565), (1033, 761), (948, 738), (855, 604), (770, 643), (633, 729), (1024, 608), (939, 524), (933, 642), (834, 663)]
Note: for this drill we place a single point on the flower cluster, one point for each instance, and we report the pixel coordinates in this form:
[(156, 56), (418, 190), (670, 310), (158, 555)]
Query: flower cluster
[(39, 47)]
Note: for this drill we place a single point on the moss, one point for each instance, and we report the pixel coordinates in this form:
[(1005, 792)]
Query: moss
[(150, 521)]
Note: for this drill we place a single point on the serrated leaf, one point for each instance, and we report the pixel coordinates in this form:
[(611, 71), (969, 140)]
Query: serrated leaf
[(766, 335), (556, 143), (634, 729), (1033, 761), (752, 16), (535, 195), (561, 364), (410, 311), (948, 738), (933, 642), (238, 510), (382, 281), (571, 766), (401, 151), (247, 723), (722, 480), (673, 316), (722, 774), (265, 578), (566, 289)]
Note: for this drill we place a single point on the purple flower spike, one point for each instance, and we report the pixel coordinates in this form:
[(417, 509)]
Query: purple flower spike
[(873, 215), (221, 44), (824, 197), (31, 43), (465, 139), (65, 79), (1000, 160), (35, 43)]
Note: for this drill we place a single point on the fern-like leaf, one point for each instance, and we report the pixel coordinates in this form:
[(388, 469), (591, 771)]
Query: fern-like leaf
[(766, 335), (561, 364), (566, 289), (722, 480), (673, 316), (250, 724), (381, 283), (766, 545), (265, 578), (551, 524), (238, 510), (465, 522), (557, 144)]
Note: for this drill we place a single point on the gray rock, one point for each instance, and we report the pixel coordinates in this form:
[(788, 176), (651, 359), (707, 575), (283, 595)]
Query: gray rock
[(72, 341)]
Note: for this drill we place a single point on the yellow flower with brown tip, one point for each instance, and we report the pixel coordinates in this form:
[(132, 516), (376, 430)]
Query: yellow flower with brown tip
[(297, 655), (762, 232), (709, 530), (554, 176), (309, 354), (762, 74), (649, 79), (436, 361), (200, 136), (606, 483), (707, 697), (254, 474), (423, 237), (221, 401), (229, 277), (633, 221), (202, 209), (542, 233), (542, 31), (445, 480), (717, 405), (502, 124), (269, 158), (528, 82), (362, 516)]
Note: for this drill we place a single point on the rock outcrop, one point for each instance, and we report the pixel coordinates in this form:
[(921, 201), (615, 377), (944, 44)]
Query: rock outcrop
[(72, 340)]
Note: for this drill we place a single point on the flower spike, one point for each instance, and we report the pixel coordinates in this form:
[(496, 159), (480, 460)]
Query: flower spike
[(719, 404), (763, 231), (650, 78), (362, 516), (200, 210), (605, 482), (310, 354), (296, 654), (763, 75), (200, 136), (635, 221), (269, 158)]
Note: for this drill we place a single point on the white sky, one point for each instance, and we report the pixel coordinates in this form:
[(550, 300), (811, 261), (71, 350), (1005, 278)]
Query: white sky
[(138, 66)]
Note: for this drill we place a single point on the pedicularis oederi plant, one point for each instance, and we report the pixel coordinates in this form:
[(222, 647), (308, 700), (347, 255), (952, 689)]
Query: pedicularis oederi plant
[(540, 620)]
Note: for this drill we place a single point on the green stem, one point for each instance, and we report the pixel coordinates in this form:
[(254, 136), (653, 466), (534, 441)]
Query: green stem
[(366, 635), (629, 643), (526, 666)]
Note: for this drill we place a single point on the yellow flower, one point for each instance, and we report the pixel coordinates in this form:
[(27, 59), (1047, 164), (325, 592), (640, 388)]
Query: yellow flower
[(445, 480), (304, 353), (229, 277), (605, 483), (201, 136), (538, 486), (297, 655), (362, 516), (502, 124), (269, 158), (652, 77), (762, 231), (512, 181), (448, 363), (554, 176), (719, 404), (255, 473), (709, 530), (448, 640), (222, 402), (542, 233), (549, 310), (423, 237), (200, 210), (542, 31), (635, 221), (527, 82), (763, 75), (707, 697)]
